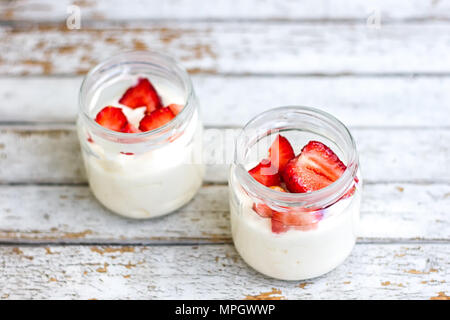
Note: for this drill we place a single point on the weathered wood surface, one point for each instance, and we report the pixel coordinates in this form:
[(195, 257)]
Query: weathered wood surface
[(389, 83), (359, 10), (357, 101), (210, 47), (215, 271), (52, 155), (70, 214)]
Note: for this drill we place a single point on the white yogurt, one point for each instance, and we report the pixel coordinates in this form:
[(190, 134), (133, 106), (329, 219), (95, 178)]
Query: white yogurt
[(295, 254)]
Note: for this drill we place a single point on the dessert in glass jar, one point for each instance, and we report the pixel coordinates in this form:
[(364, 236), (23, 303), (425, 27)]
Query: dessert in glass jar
[(295, 193), (140, 134)]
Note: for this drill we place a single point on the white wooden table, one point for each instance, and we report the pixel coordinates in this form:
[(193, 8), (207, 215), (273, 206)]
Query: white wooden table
[(390, 83)]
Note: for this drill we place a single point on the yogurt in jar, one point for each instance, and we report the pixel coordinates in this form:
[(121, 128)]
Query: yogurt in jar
[(295, 193), (150, 173)]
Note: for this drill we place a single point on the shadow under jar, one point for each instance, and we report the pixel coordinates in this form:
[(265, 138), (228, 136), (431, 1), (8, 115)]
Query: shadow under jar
[(330, 215), (145, 174)]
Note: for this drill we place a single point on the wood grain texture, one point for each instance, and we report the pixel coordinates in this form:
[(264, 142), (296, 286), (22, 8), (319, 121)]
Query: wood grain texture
[(357, 101), (47, 10), (214, 272), (388, 83), (70, 214), (215, 47), (42, 155)]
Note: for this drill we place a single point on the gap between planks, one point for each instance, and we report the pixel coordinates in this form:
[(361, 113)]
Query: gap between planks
[(190, 243)]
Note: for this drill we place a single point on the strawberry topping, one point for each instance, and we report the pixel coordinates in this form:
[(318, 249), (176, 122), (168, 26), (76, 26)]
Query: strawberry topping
[(278, 227), (265, 173), (263, 210), (142, 94), (315, 168), (281, 152), (156, 119), (298, 218), (277, 188), (111, 118), (175, 108), (129, 128)]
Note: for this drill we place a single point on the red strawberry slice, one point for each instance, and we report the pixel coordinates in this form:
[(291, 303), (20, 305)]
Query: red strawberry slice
[(175, 108), (265, 173), (352, 190), (129, 128), (263, 209), (111, 118), (156, 119), (278, 227), (142, 94), (316, 167), (299, 218), (278, 188), (281, 152)]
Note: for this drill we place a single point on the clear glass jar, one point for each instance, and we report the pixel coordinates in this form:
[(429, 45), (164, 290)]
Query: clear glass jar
[(329, 216), (145, 174)]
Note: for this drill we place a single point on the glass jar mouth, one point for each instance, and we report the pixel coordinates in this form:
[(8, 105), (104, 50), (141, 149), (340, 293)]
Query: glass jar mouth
[(139, 57), (263, 126)]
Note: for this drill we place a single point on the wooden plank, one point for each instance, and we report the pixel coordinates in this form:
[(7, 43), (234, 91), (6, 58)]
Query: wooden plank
[(70, 214), (215, 272), (47, 10), (42, 155), (215, 47), (233, 100)]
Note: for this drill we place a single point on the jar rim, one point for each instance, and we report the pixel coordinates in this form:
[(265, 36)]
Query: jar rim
[(162, 132), (316, 199)]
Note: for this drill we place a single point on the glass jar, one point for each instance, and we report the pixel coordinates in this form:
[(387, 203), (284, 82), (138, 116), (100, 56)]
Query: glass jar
[(145, 174), (328, 217)]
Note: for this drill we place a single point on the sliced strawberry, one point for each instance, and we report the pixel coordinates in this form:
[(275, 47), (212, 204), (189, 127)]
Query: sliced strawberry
[(316, 167), (175, 108), (352, 190), (277, 188), (266, 174), (142, 94), (129, 128), (298, 218), (156, 119), (111, 118), (262, 209), (281, 152), (278, 227), (350, 193)]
